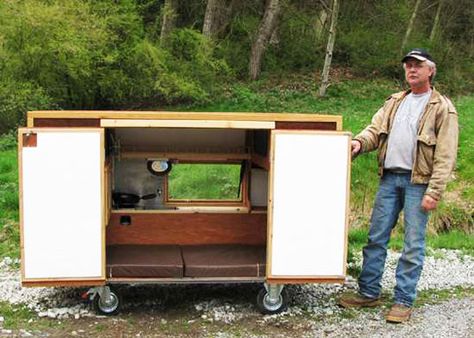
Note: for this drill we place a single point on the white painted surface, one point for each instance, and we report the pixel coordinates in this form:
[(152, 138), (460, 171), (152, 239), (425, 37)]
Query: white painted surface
[(62, 214), (309, 199)]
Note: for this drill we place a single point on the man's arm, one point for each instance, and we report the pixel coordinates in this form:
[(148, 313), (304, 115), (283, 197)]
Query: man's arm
[(368, 139), (445, 153)]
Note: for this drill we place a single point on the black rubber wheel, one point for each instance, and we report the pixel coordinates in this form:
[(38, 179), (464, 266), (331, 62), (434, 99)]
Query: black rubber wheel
[(268, 308), (108, 307)]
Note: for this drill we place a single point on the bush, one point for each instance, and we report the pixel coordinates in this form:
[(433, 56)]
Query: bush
[(63, 46), (16, 99), (197, 69), (188, 71)]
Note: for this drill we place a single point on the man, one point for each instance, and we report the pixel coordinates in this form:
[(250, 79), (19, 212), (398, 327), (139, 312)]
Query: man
[(416, 134)]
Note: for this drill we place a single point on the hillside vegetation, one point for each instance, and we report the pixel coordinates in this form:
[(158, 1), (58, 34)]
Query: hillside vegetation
[(451, 226), (189, 55), (141, 54)]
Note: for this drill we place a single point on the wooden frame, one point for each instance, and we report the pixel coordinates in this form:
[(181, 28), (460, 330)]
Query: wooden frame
[(196, 203), (164, 115)]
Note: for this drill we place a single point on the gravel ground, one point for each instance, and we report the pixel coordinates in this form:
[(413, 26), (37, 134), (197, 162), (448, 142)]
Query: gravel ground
[(313, 310)]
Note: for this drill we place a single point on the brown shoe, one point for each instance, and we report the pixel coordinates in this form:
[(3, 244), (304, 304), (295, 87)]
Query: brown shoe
[(356, 300), (398, 314)]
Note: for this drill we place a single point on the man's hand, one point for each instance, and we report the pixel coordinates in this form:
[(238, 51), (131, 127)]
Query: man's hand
[(429, 203), (355, 148)]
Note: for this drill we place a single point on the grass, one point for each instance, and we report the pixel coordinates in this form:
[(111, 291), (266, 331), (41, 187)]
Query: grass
[(9, 234), (20, 317), (437, 296), (456, 240), (221, 181), (465, 162)]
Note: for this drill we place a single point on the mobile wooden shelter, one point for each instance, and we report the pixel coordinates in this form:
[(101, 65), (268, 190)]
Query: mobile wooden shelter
[(97, 206)]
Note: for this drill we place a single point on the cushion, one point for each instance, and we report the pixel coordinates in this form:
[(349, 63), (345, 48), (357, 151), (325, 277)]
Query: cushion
[(144, 261), (224, 260)]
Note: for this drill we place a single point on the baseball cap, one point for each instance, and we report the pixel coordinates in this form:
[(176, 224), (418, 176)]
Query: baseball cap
[(419, 54)]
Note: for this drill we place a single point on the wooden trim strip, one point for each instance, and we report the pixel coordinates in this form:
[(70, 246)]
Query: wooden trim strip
[(103, 199), (66, 123), (271, 175), (166, 115), (185, 157), (306, 280), (348, 195), (120, 123), (190, 209), (21, 132), (64, 282), (186, 280), (307, 125)]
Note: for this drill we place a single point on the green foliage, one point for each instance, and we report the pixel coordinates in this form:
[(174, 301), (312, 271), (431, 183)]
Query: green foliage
[(8, 141), (86, 54), (195, 62), (187, 71), (9, 232), (56, 45), (369, 38), (16, 99), (8, 183), (106, 54)]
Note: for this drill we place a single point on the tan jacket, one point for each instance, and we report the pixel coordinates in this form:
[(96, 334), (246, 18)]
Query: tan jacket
[(437, 144)]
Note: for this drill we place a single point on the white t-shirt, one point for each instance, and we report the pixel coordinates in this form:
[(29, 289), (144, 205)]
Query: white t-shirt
[(403, 135)]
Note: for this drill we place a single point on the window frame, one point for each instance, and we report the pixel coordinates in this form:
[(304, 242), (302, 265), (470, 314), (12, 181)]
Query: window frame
[(244, 200)]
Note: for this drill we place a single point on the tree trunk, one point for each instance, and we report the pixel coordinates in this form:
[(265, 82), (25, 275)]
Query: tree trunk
[(321, 24), (410, 27), (436, 22), (169, 21), (329, 48), (216, 18), (265, 30), (210, 17)]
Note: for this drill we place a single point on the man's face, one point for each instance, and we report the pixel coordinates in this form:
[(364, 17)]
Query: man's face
[(417, 74)]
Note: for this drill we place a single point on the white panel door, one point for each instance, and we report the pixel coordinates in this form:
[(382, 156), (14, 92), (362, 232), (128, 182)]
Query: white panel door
[(309, 180), (61, 180)]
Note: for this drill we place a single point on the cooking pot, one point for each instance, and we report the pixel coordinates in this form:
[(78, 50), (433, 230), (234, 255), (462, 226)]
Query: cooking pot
[(127, 200)]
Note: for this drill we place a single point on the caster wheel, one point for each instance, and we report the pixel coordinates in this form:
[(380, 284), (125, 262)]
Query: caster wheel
[(268, 306), (108, 307)]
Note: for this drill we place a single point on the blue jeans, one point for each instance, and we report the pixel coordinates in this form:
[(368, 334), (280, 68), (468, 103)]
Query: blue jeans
[(396, 193)]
